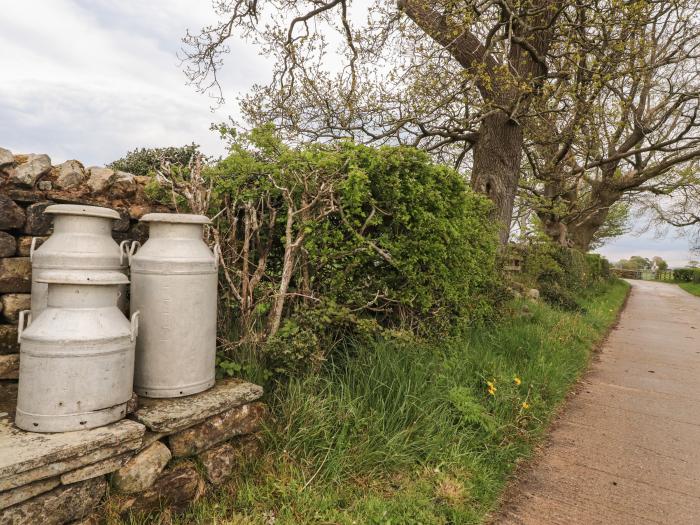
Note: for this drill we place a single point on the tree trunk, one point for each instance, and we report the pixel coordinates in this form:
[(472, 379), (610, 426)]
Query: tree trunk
[(554, 228), (582, 233), (496, 170)]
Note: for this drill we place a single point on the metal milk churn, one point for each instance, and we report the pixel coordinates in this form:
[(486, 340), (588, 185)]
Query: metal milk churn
[(173, 285), (77, 356), (81, 240)]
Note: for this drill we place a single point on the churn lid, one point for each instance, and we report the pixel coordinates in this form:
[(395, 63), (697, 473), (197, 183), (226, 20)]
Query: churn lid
[(80, 209), (84, 277), (176, 218)]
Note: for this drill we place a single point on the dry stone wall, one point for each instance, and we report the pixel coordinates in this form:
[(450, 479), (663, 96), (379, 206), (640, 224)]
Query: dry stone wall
[(166, 454), (28, 184)]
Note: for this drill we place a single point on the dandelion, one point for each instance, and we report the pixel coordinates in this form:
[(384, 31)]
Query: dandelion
[(525, 405), (491, 388), (517, 380)]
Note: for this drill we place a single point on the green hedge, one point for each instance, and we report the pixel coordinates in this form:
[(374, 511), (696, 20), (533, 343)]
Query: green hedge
[(561, 273), (387, 242), (687, 275)]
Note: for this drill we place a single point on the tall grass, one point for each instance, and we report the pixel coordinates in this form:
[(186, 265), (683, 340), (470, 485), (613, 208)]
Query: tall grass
[(693, 288), (415, 434)]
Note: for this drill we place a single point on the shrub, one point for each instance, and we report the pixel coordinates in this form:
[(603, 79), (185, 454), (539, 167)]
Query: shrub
[(145, 161), (686, 275), (561, 273), (330, 242)]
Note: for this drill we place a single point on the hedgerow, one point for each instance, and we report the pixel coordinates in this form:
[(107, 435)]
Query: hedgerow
[(327, 243)]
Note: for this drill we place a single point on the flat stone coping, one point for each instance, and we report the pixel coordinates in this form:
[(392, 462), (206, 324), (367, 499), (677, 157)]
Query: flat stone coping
[(171, 415), (22, 451)]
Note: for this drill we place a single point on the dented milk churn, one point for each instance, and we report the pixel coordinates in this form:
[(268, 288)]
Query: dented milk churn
[(77, 355), (81, 240), (173, 285)]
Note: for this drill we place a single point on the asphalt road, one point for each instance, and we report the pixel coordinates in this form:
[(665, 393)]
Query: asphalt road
[(626, 449)]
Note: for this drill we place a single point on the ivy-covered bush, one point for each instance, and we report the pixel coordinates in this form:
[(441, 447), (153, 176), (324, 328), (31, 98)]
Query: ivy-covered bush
[(561, 273), (328, 243), (686, 275), (145, 161)]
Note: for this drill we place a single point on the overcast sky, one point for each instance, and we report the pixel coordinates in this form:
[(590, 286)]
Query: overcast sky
[(93, 79)]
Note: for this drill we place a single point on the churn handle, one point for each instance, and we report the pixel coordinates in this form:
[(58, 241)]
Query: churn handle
[(123, 251), (217, 255), (32, 248), (20, 328), (134, 326), (135, 245)]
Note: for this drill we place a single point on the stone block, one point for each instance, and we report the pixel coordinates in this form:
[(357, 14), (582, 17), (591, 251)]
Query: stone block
[(8, 244), (171, 415), (142, 470), (8, 339), (44, 185), (139, 232), (101, 468), (222, 460), (11, 215), (6, 157), (139, 210), (37, 222), (238, 421), (23, 493), (58, 506), (133, 403), (175, 489), (533, 293), (13, 304), (122, 225), (24, 244), (9, 366), (23, 197), (100, 179), (29, 456), (15, 275), (71, 173), (123, 186), (30, 168)]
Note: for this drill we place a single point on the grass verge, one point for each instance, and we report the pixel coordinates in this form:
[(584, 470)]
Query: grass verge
[(406, 434), (693, 288)]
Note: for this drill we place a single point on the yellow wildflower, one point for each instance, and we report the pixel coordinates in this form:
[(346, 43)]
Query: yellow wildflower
[(525, 405), (517, 380), (491, 388)]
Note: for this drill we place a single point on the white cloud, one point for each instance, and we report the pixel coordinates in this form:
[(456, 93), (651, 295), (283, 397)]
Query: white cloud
[(93, 79), (672, 248)]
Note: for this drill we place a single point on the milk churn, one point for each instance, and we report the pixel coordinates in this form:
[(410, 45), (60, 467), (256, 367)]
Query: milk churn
[(173, 285), (81, 240), (77, 356)]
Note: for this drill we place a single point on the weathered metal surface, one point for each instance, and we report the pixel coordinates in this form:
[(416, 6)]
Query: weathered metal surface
[(81, 240), (171, 415), (77, 356), (174, 280)]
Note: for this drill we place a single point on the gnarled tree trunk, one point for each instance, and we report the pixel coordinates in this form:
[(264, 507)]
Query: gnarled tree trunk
[(496, 169)]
